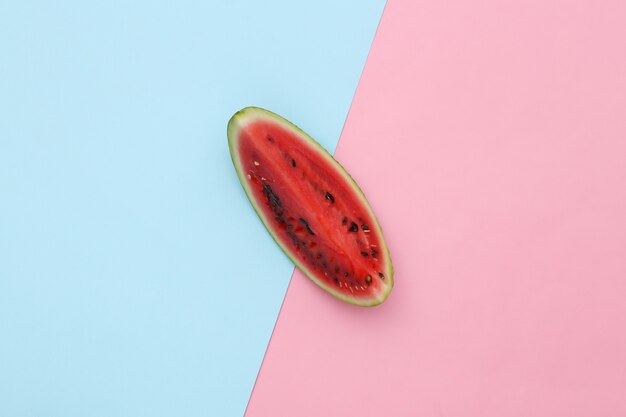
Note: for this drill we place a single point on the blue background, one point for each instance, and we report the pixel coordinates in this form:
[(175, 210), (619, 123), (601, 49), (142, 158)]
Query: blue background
[(135, 278)]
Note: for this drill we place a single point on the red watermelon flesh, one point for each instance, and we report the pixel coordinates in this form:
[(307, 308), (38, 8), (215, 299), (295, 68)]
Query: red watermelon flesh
[(311, 206)]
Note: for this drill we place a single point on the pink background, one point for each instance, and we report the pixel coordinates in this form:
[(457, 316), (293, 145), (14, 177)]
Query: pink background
[(490, 137)]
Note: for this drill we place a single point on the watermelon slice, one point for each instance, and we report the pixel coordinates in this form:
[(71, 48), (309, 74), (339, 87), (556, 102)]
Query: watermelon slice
[(311, 206)]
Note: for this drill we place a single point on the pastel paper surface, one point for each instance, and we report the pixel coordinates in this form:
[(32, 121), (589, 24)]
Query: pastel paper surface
[(135, 278), (490, 138)]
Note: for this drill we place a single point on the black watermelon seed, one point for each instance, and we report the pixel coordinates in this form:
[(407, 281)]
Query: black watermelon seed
[(374, 254), (368, 280), (354, 227), (364, 254), (319, 255), (270, 138), (330, 197), (380, 274), (336, 281), (336, 270), (293, 163), (365, 227), (273, 200), (344, 220), (306, 224)]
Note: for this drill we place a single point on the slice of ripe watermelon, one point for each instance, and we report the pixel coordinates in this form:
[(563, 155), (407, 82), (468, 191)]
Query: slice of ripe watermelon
[(311, 206)]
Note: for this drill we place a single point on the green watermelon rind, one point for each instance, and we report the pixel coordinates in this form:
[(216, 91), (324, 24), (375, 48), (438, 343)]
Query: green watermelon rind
[(248, 114)]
